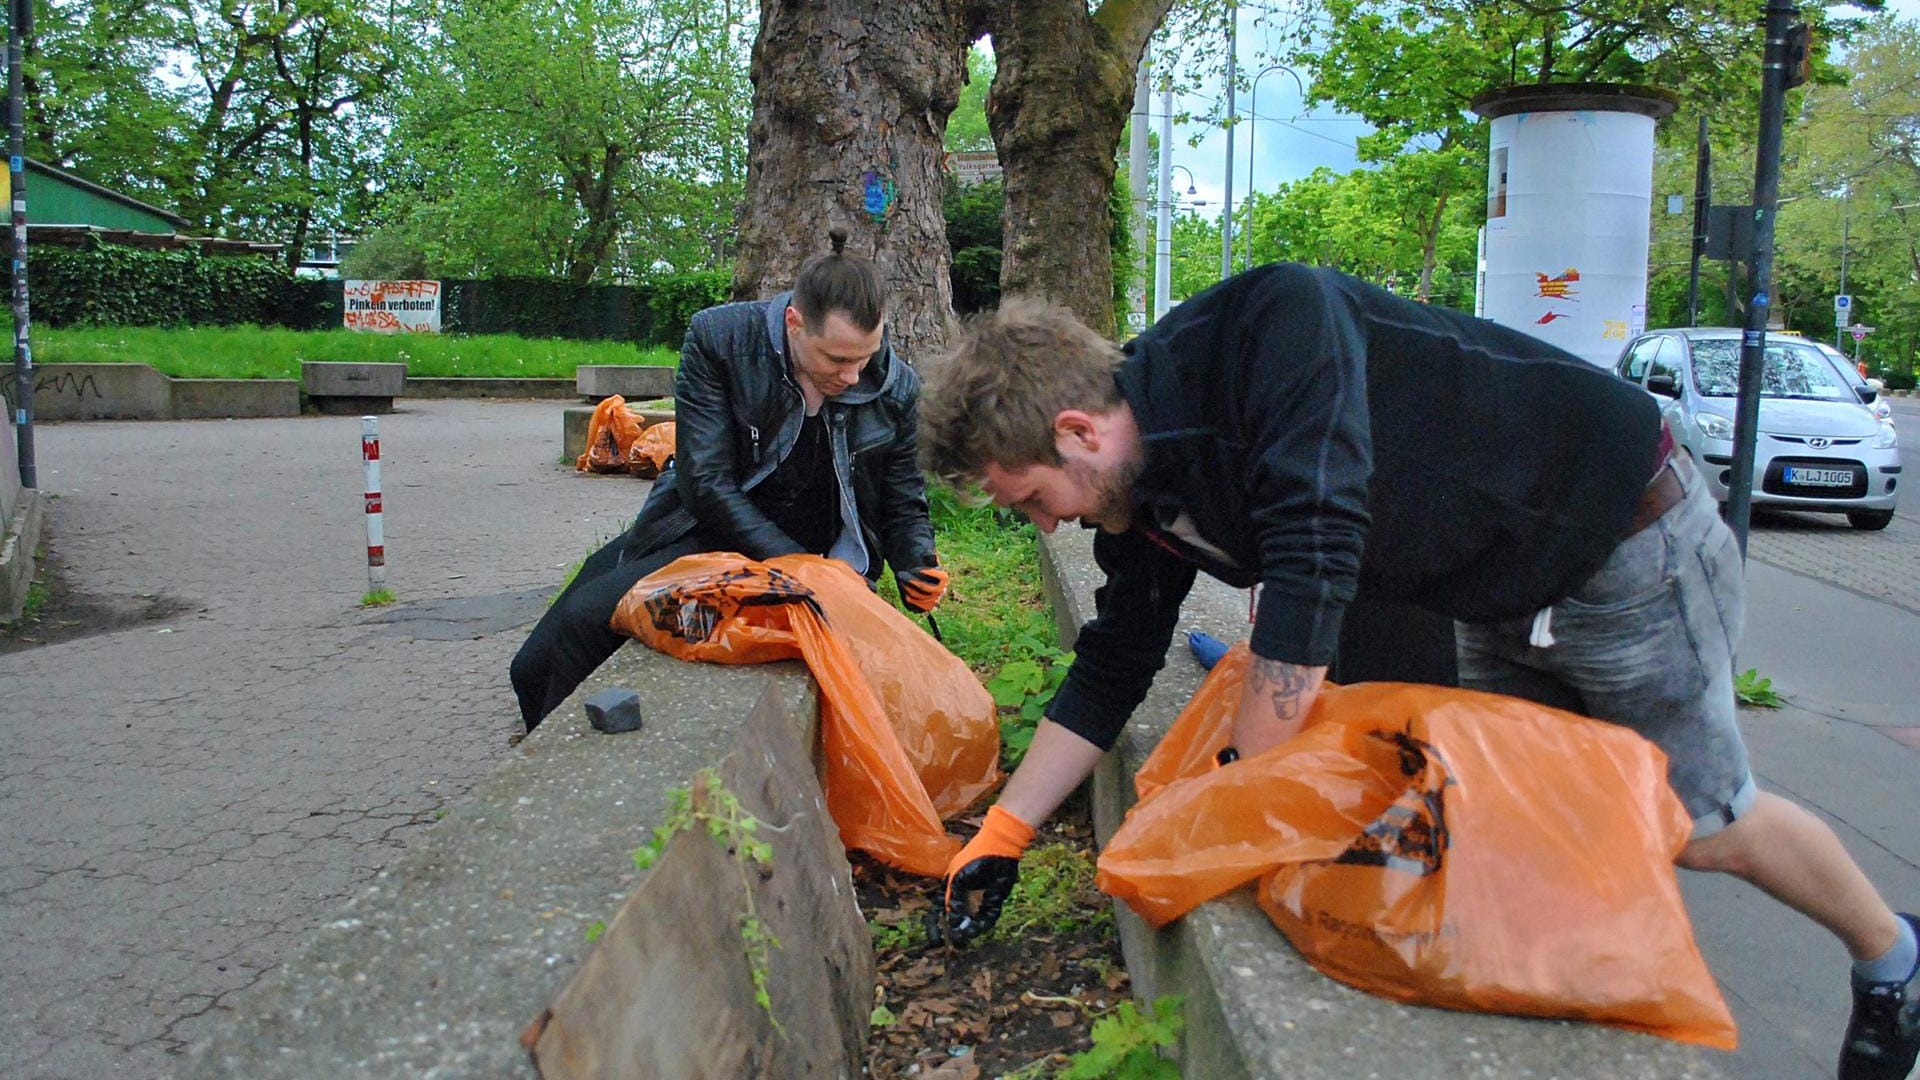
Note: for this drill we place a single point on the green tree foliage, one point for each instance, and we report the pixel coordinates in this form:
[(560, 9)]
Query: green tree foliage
[(244, 118), (585, 139), (967, 127), (1851, 157), (974, 215)]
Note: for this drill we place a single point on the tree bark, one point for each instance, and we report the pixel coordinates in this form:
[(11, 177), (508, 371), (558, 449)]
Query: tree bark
[(850, 107), (1060, 100)]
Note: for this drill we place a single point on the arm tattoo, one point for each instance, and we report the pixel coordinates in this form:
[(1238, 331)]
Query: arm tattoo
[(1290, 686)]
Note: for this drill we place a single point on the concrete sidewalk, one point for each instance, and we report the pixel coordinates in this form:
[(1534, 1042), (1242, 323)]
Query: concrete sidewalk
[(1847, 746), (188, 799)]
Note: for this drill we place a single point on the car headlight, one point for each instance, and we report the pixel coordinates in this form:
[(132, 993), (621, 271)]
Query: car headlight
[(1886, 440), (1713, 425)]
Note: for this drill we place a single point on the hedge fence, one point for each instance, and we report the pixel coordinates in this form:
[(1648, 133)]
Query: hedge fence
[(102, 284)]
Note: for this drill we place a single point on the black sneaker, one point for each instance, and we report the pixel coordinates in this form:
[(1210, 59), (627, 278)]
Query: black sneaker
[(1883, 1039)]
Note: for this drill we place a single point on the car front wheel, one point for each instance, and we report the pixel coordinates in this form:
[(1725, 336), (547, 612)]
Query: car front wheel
[(1871, 520)]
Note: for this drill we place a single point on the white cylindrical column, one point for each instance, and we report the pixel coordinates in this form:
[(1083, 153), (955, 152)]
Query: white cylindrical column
[(1569, 195)]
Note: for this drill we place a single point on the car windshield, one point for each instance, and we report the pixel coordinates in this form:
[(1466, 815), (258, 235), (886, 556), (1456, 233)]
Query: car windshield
[(1791, 371)]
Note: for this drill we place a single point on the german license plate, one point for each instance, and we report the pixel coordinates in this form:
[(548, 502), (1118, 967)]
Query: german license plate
[(1805, 477)]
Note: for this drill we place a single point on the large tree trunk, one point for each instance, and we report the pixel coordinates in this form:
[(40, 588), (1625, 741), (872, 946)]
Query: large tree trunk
[(1060, 100), (850, 106)]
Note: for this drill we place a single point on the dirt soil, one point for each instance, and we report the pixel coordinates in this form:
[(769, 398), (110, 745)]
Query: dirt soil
[(1010, 1004), (58, 610)]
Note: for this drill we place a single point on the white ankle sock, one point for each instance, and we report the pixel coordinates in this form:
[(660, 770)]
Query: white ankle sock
[(1894, 965)]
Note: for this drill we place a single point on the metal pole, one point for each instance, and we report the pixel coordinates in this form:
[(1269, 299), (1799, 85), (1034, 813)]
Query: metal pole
[(1702, 201), (1846, 224), (1766, 197), (1226, 213), (1163, 218), (1137, 180), (20, 23)]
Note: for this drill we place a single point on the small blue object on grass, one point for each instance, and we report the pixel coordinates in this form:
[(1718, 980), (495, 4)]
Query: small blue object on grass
[(1206, 648)]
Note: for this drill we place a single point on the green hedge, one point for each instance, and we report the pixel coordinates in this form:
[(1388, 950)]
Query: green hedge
[(103, 284)]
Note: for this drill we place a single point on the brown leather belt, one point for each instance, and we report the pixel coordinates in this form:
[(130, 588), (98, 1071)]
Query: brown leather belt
[(1662, 494)]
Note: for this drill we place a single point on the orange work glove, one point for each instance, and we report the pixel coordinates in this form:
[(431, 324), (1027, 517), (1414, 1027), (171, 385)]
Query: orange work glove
[(923, 589), (988, 865)]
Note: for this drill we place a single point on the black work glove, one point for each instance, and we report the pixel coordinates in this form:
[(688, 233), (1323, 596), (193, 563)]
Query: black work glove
[(988, 865)]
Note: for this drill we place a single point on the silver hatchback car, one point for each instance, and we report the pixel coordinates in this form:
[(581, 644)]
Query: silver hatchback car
[(1820, 446)]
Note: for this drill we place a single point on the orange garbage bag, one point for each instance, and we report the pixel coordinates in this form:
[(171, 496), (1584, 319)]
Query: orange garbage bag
[(908, 733), (651, 451), (610, 433), (1437, 846)]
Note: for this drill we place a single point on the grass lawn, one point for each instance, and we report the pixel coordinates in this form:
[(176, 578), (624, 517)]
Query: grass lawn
[(253, 352)]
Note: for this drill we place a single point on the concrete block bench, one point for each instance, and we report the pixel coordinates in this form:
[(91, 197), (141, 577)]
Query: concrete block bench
[(635, 382), (1254, 1007), (440, 965), (126, 391), (351, 389)]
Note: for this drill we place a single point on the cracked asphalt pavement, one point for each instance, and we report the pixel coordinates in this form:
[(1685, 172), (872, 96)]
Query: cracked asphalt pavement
[(186, 798)]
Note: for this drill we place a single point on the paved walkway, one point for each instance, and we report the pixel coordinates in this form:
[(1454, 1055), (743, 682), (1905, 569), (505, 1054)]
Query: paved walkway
[(186, 799)]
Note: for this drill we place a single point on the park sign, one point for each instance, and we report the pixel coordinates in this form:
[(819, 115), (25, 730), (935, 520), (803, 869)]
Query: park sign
[(973, 167), (391, 307)]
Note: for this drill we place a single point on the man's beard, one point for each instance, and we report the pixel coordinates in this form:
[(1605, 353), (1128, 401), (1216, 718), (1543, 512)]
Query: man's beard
[(1113, 489)]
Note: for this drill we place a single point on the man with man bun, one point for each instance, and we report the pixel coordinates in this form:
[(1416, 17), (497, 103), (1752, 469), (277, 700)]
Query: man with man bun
[(796, 432)]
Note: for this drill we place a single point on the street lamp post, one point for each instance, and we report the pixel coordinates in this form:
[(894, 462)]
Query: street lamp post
[(1253, 134), (1226, 214), (1163, 220)]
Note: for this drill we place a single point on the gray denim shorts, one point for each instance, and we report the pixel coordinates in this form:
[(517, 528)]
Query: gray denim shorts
[(1647, 642)]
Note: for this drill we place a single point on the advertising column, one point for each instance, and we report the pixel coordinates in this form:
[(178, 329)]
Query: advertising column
[(1569, 195)]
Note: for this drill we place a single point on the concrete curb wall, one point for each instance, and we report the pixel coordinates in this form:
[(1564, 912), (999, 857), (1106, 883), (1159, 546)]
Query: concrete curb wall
[(138, 392), (115, 391), (440, 965), (1254, 1007), (435, 387), (19, 540)]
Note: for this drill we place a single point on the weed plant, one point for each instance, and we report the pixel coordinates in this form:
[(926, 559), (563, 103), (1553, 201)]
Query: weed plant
[(255, 352)]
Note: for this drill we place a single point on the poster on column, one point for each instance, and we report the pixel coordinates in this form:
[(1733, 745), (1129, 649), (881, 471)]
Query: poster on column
[(391, 307), (1569, 195)]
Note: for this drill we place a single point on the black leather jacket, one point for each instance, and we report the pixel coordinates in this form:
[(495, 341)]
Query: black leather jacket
[(739, 411)]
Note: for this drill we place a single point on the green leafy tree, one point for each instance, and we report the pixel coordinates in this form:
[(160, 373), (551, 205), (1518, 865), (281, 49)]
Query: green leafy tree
[(93, 103), (967, 127), (582, 139)]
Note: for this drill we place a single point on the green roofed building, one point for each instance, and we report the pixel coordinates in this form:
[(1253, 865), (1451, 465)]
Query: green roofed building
[(57, 197), (66, 209)]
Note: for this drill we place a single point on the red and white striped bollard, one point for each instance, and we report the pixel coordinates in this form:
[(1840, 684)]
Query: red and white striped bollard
[(376, 538)]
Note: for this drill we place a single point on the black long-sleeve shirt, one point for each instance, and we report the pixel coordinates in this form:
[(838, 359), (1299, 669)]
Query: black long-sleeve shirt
[(1332, 439)]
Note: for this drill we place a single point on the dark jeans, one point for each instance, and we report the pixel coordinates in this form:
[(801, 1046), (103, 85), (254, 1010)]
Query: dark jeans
[(572, 638)]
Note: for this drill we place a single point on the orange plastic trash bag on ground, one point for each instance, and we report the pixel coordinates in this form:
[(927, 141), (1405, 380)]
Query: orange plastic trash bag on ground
[(1437, 846), (610, 434), (651, 451), (908, 733)]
